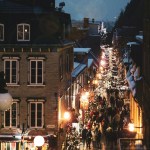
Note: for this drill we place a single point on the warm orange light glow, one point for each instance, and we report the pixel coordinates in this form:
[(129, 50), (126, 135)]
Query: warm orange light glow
[(84, 100), (83, 97), (131, 127), (87, 93), (98, 76), (101, 68), (84, 104), (95, 82), (103, 62), (67, 115)]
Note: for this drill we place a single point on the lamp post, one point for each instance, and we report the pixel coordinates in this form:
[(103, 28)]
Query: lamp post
[(5, 97)]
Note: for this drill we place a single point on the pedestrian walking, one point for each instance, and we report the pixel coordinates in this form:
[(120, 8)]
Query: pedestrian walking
[(110, 137), (88, 138), (53, 142), (93, 138), (112, 101), (98, 138), (83, 134)]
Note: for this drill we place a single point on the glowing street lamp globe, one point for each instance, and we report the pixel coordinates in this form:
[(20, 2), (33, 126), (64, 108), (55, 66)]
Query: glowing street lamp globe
[(5, 97), (5, 101), (67, 115), (131, 127), (38, 141)]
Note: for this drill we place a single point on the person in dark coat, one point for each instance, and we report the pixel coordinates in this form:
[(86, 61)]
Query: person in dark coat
[(53, 142), (88, 138), (83, 134), (112, 101), (98, 138)]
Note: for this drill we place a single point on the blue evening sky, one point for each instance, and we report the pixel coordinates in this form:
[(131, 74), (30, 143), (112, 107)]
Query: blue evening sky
[(106, 10)]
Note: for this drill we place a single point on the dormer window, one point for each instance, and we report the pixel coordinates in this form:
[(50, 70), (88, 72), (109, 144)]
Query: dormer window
[(23, 32), (1, 32)]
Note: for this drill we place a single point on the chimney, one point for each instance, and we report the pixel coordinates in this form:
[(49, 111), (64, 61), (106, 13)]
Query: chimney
[(86, 23)]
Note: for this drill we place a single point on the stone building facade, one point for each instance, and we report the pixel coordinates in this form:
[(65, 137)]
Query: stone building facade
[(37, 60)]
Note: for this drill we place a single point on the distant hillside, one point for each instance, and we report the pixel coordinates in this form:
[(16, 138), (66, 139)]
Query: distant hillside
[(132, 15)]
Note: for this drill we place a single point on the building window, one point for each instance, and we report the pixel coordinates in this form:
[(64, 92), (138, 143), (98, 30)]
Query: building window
[(67, 63), (10, 116), (11, 70), (36, 114), (36, 71), (23, 32), (61, 67), (1, 32), (9, 145)]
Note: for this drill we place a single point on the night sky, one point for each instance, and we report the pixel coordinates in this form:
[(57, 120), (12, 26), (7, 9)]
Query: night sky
[(106, 10)]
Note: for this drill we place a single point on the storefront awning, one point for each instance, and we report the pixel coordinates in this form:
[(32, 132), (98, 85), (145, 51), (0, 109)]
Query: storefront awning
[(10, 138)]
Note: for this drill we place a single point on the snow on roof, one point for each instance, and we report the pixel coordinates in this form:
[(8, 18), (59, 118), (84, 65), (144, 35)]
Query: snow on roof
[(78, 70), (90, 61), (76, 64), (81, 50), (139, 37), (132, 43)]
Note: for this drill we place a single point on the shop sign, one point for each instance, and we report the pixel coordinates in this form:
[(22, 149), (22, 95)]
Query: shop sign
[(51, 126)]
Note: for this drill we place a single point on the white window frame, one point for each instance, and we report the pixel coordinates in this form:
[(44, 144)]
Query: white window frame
[(36, 76), (10, 109), (2, 38), (8, 145), (17, 70), (23, 25), (29, 119)]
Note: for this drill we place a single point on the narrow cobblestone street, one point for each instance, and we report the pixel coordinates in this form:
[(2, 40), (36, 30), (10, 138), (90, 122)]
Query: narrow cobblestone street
[(106, 110)]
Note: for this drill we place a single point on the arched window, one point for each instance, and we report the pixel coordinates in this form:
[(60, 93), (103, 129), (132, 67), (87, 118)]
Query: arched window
[(23, 32)]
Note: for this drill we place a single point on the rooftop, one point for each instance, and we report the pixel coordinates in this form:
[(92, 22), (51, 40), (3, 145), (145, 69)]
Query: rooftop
[(81, 50)]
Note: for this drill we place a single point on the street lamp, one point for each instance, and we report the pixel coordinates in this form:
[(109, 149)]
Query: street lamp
[(67, 116), (39, 141), (131, 127), (5, 97)]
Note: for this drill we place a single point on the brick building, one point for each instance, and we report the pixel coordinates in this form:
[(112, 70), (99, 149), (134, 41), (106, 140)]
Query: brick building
[(37, 61)]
